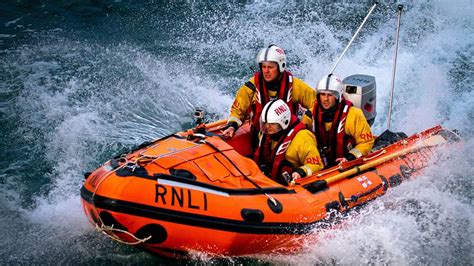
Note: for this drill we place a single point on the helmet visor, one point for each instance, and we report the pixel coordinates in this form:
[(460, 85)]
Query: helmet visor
[(270, 128)]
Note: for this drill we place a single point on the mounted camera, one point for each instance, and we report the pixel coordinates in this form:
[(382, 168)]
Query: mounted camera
[(199, 116)]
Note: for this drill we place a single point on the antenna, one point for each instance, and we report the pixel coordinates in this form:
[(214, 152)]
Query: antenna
[(400, 7)]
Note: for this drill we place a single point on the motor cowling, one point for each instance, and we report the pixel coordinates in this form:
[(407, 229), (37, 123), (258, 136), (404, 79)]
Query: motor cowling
[(361, 91)]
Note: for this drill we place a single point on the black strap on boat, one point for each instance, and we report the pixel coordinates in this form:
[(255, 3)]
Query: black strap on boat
[(355, 198), (273, 200), (317, 186)]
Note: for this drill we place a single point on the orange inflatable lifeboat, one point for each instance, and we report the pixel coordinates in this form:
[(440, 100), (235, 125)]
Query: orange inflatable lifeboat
[(194, 192)]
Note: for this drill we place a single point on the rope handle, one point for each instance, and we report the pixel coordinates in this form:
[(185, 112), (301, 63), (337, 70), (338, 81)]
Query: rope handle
[(375, 156), (109, 231), (329, 171)]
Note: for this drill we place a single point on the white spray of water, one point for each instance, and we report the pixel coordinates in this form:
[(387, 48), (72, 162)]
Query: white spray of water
[(127, 95), (426, 94), (82, 115)]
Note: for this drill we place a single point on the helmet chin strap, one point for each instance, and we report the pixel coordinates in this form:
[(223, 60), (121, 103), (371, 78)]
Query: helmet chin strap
[(273, 85), (277, 136), (328, 114)]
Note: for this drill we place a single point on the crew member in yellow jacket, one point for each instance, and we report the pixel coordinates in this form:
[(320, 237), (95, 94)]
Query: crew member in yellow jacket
[(286, 150), (341, 129), (272, 82)]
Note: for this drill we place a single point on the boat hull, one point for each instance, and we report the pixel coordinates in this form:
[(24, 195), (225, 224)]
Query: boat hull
[(213, 200)]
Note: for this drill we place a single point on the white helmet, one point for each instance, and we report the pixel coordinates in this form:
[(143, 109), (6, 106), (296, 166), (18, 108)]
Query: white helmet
[(276, 116), (331, 84), (272, 54)]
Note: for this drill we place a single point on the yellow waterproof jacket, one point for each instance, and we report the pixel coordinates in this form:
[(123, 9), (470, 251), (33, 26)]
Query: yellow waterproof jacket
[(302, 94), (302, 152), (359, 129), (356, 127)]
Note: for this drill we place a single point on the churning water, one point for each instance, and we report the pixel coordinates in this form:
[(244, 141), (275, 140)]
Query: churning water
[(82, 80)]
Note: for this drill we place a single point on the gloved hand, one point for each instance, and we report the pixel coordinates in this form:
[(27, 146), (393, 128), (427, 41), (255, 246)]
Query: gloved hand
[(349, 157), (297, 174), (230, 130), (228, 133)]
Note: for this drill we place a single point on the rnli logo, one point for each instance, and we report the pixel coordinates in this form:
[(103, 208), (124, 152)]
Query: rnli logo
[(313, 160), (364, 181), (182, 197), (280, 51), (366, 136), (280, 109)]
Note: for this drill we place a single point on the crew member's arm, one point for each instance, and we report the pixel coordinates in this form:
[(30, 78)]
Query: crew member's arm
[(304, 155), (307, 119), (358, 127), (239, 109), (303, 93)]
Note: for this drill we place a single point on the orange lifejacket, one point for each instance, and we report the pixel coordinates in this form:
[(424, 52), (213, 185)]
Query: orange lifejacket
[(334, 143), (273, 162)]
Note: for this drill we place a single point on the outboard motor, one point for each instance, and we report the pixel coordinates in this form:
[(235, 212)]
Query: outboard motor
[(361, 91)]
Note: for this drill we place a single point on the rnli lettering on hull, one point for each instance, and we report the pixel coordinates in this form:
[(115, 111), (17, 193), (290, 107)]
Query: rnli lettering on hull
[(183, 195)]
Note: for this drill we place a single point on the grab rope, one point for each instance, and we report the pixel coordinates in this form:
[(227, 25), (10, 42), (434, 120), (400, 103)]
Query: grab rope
[(132, 165), (374, 156), (338, 168), (143, 159), (109, 231)]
